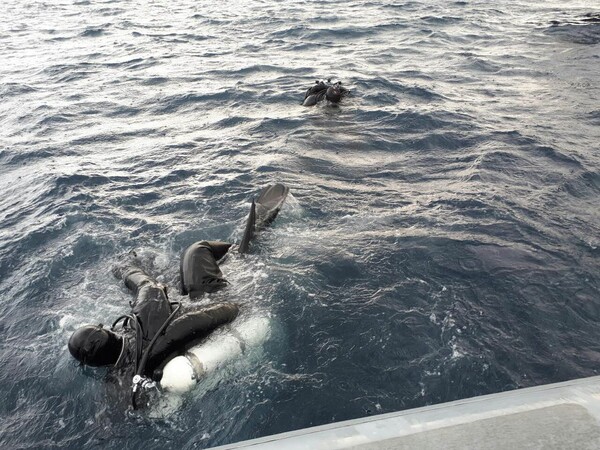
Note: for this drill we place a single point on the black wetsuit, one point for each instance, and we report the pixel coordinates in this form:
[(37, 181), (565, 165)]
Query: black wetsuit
[(199, 270), (151, 308), (139, 344), (321, 90)]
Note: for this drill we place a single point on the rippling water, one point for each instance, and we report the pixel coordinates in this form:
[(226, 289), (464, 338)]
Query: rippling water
[(441, 242)]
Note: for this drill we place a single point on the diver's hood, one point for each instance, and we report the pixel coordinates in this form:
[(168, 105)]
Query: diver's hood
[(334, 94), (95, 346)]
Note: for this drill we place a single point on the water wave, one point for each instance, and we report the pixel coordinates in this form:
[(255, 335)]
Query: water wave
[(441, 238)]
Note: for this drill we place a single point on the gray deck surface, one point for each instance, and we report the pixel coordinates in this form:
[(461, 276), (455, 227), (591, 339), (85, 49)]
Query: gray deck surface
[(557, 416)]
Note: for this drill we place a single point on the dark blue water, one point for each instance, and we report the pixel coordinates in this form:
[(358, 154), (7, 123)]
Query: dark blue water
[(442, 240)]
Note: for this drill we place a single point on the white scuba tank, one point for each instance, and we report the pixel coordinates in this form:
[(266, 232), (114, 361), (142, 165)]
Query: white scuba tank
[(183, 372)]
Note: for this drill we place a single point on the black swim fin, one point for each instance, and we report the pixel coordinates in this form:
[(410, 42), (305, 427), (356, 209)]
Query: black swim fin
[(249, 231), (263, 211), (269, 202)]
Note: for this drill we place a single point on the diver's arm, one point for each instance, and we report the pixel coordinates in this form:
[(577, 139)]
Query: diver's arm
[(188, 329), (133, 275), (151, 302)]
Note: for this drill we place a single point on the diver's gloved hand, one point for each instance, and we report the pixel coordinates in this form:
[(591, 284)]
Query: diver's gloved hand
[(144, 392), (125, 263)]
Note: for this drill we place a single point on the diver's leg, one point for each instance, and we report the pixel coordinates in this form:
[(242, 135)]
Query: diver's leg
[(199, 270), (219, 249)]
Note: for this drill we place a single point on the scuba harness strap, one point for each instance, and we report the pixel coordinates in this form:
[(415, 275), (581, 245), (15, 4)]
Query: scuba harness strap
[(141, 357)]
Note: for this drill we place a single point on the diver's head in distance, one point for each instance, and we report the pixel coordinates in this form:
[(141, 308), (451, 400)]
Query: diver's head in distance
[(335, 92), (96, 346)]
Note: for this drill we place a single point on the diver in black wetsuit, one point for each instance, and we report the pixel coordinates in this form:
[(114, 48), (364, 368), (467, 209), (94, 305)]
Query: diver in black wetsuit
[(333, 92), (156, 329)]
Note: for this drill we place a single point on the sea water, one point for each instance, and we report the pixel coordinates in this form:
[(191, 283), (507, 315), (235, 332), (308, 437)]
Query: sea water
[(442, 237)]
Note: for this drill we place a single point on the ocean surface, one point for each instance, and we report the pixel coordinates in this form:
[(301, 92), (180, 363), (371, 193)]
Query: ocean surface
[(442, 237)]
